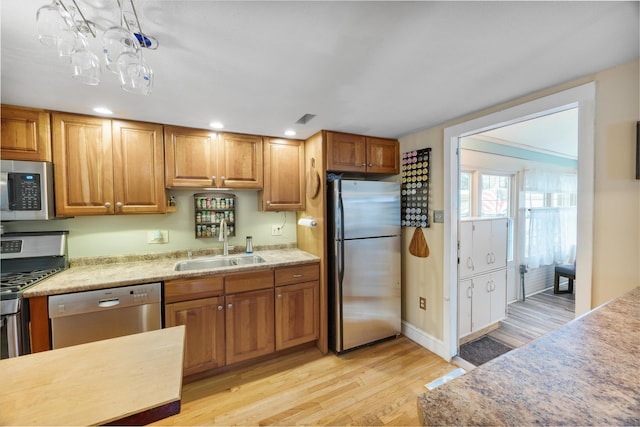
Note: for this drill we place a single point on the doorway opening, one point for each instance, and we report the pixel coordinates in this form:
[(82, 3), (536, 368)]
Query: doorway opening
[(582, 100), (522, 176)]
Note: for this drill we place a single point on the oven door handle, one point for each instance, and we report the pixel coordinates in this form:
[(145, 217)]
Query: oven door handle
[(105, 303)]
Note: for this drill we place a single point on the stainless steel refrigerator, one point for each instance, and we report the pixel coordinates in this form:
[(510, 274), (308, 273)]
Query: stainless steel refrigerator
[(364, 262)]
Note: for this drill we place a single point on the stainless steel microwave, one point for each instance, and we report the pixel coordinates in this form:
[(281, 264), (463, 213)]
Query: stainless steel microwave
[(26, 190)]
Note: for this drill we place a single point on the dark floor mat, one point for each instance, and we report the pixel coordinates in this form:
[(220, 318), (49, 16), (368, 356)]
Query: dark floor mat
[(482, 350)]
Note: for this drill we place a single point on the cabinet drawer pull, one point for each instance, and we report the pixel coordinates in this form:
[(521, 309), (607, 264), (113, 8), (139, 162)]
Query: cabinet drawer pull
[(297, 276)]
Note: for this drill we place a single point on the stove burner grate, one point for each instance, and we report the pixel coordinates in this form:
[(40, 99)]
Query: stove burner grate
[(15, 282)]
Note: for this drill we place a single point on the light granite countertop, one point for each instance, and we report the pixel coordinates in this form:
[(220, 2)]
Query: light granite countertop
[(93, 274), (585, 373)]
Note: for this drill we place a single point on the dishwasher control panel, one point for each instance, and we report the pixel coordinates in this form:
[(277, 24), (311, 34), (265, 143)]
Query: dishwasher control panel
[(104, 299)]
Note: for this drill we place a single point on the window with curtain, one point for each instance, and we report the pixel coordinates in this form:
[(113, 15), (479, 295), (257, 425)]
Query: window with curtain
[(550, 217)]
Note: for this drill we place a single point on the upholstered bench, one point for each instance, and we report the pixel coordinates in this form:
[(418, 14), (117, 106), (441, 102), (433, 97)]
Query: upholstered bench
[(568, 271)]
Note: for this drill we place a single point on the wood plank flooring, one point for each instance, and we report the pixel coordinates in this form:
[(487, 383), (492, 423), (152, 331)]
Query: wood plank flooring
[(537, 315), (376, 385)]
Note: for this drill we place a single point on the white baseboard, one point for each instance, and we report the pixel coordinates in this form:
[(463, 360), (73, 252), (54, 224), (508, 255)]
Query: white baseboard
[(424, 339)]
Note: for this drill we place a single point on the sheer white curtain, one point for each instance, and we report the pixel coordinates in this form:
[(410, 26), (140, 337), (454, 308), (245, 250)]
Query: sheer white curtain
[(550, 217)]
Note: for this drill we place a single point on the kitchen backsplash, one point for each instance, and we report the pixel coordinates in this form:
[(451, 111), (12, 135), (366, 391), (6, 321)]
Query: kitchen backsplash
[(118, 235)]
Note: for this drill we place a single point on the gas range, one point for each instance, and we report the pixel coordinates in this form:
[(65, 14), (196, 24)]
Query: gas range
[(13, 284), (25, 260)]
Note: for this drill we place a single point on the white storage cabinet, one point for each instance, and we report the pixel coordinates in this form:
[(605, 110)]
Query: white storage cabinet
[(482, 274)]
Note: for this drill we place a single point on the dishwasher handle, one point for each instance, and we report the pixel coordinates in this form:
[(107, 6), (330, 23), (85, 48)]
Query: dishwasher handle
[(111, 302)]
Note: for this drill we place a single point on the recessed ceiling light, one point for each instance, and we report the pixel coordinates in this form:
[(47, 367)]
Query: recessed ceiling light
[(102, 110), (216, 125), (290, 132)]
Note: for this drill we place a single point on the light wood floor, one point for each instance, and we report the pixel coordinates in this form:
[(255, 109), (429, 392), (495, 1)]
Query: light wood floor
[(537, 315), (376, 385)]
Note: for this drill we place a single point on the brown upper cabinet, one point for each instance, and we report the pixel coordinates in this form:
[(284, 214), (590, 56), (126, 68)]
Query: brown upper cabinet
[(284, 175), (26, 134), (357, 153), (105, 167), (197, 158)]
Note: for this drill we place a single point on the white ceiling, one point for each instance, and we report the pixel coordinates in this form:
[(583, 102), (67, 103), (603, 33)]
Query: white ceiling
[(555, 134), (377, 68)]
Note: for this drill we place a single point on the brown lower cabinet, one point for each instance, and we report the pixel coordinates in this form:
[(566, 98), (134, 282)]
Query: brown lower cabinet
[(204, 338), (241, 316), (250, 325)]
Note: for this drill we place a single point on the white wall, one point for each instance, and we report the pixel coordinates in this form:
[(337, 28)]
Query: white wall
[(616, 269)]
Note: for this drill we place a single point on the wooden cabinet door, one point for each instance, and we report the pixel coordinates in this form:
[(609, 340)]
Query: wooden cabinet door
[(284, 175), (465, 249), (482, 246), (190, 157), (499, 295), (465, 296), (499, 235), (204, 340), (297, 314), (249, 325), (83, 165), (138, 167), (383, 156), (26, 134), (240, 161), (346, 152), (481, 301)]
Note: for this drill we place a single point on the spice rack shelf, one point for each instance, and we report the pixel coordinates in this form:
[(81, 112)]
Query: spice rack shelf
[(210, 210)]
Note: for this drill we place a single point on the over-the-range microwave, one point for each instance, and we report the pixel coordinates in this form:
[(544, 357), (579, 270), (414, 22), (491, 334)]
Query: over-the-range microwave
[(26, 190)]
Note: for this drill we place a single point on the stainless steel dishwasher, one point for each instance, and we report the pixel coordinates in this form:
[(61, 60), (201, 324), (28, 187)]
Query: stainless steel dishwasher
[(83, 317)]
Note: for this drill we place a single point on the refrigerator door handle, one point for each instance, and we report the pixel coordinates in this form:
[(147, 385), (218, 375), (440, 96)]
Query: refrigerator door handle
[(340, 230)]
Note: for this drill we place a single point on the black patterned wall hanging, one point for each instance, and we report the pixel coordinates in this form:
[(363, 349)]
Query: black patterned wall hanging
[(415, 188)]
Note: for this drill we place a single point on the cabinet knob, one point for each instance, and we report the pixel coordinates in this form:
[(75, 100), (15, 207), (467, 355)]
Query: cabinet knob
[(220, 307), (107, 205), (268, 202), (279, 295), (370, 164), (363, 165), (119, 204), (213, 178), (222, 178), (230, 306)]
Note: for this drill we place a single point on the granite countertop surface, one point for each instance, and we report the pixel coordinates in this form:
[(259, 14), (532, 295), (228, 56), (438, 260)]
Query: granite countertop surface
[(109, 273), (585, 373)]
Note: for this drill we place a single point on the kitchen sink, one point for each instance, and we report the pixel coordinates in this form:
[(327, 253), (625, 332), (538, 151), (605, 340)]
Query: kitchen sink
[(217, 262)]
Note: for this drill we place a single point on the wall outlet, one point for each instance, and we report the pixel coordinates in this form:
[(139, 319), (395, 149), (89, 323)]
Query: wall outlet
[(423, 303), (438, 216), (157, 236), (276, 230)]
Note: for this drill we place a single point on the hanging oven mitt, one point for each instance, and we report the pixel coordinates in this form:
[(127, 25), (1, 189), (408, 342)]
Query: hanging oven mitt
[(418, 246)]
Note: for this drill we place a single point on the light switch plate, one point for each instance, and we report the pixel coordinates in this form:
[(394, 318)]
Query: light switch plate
[(438, 216), (157, 236)]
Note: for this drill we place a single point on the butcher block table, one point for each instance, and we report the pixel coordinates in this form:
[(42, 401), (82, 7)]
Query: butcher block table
[(585, 373), (135, 379)]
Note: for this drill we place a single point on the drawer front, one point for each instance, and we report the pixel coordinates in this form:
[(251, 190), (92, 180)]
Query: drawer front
[(245, 282), (297, 274), (190, 289)]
